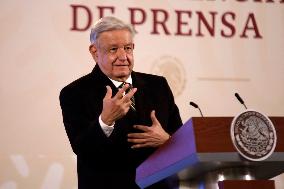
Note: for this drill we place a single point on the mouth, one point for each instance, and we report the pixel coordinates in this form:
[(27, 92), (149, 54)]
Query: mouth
[(122, 65)]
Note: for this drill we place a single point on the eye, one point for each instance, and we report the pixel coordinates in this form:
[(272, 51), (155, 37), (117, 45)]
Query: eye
[(128, 48), (113, 49)]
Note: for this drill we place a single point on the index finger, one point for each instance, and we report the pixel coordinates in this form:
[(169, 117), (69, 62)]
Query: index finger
[(131, 93), (142, 128), (121, 91)]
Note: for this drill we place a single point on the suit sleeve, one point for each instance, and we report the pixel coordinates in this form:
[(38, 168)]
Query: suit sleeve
[(84, 133), (174, 120)]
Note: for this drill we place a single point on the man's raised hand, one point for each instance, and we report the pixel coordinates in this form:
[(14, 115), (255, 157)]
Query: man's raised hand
[(116, 107)]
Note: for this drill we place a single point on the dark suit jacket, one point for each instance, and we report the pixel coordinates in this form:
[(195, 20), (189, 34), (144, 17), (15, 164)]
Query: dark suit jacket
[(109, 162)]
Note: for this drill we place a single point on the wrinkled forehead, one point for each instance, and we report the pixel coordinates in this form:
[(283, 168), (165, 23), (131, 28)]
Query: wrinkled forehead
[(115, 37)]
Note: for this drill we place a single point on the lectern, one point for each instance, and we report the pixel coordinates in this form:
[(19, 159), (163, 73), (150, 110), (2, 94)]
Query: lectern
[(202, 155)]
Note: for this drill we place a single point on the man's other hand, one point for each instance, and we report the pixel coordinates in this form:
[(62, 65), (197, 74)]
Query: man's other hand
[(153, 136)]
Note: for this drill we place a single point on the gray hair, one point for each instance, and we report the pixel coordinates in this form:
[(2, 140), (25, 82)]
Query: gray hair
[(107, 24)]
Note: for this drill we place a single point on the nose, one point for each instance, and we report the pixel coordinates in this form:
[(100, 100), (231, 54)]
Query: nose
[(121, 54)]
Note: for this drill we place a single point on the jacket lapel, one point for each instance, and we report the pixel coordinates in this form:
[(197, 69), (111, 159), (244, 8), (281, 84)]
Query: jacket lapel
[(100, 79), (142, 101)]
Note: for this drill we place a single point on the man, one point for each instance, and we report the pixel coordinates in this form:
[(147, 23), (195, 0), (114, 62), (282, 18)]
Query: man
[(115, 117)]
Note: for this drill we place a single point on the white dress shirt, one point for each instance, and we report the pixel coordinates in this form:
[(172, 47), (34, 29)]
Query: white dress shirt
[(107, 129)]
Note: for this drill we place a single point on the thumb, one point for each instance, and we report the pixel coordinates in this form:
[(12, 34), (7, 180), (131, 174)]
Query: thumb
[(108, 93), (153, 118)]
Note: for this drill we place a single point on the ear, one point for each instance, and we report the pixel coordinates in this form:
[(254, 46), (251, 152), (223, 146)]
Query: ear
[(94, 51)]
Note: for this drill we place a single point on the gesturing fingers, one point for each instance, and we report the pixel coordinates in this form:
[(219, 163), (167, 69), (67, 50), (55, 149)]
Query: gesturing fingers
[(121, 92), (108, 93), (129, 95), (140, 140), (116, 107), (141, 145), (151, 136), (154, 118), (137, 135), (142, 128), (137, 140)]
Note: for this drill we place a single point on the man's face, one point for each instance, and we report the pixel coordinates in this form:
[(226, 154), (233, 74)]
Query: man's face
[(114, 54)]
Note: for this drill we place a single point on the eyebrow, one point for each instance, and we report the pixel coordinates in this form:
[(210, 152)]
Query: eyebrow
[(119, 45)]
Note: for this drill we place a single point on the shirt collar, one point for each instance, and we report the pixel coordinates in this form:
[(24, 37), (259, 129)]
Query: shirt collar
[(118, 83)]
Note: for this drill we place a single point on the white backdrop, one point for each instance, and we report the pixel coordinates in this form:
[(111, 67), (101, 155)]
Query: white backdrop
[(239, 50)]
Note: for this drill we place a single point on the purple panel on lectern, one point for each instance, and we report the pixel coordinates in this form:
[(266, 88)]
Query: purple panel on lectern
[(170, 158)]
